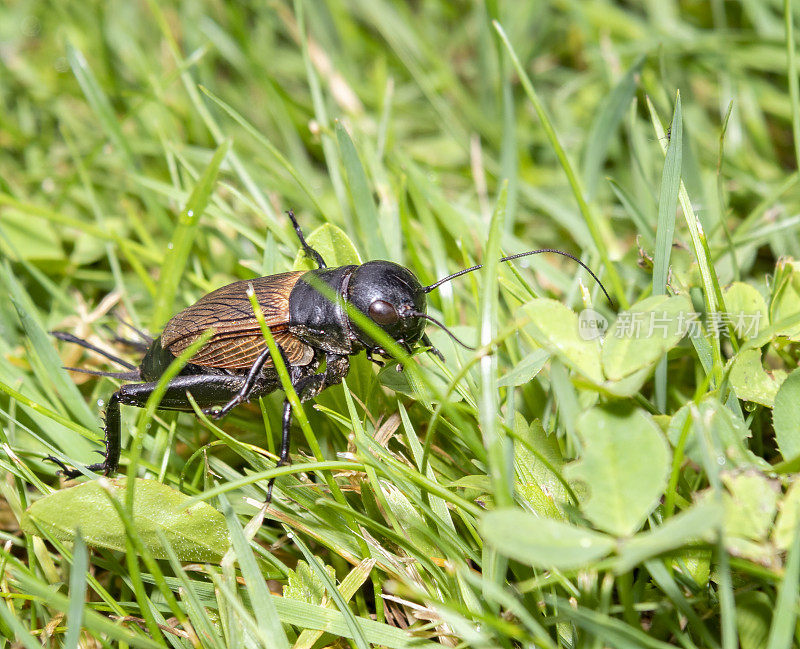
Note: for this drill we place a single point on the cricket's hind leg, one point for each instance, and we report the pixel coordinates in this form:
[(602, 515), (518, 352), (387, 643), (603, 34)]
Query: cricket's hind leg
[(206, 389), (112, 438)]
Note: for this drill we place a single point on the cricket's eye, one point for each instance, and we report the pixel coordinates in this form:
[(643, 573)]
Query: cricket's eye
[(383, 313)]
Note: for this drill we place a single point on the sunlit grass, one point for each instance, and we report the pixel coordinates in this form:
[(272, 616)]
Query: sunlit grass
[(148, 153)]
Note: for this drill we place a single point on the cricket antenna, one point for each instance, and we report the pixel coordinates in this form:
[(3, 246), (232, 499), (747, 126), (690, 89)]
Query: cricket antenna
[(437, 284), (455, 338)]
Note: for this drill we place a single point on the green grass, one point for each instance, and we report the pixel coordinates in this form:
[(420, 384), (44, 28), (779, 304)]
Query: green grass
[(545, 490)]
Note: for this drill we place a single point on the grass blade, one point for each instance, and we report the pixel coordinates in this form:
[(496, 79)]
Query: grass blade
[(352, 624), (98, 99), (668, 201), (183, 238), (366, 211), (610, 630), (784, 618), (20, 633), (665, 230), (606, 122), (497, 445), (265, 613), (77, 591), (269, 146), (321, 115), (794, 90), (94, 622), (712, 294), (350, 584), (588, 214), (43, 348)]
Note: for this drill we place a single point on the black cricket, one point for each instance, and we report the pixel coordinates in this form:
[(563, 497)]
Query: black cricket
[(235, 365)]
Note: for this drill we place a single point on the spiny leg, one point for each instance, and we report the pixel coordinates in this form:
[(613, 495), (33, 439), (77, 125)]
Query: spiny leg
[(310, 252), (205, 389), (112, 441), (307, 387)]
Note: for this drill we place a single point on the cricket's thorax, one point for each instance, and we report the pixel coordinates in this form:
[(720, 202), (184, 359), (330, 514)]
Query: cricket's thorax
[(315, 318)]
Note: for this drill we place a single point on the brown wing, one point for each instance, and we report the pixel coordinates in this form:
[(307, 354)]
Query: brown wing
[(237, 340), (240, 352)]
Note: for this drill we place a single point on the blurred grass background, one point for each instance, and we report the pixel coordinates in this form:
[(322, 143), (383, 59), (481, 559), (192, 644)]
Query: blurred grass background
[(399, 123)]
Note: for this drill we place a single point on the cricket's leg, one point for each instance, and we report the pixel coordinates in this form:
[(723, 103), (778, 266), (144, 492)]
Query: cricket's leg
[(307, 387), (246, 391), (310, 252), (206, 389)]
